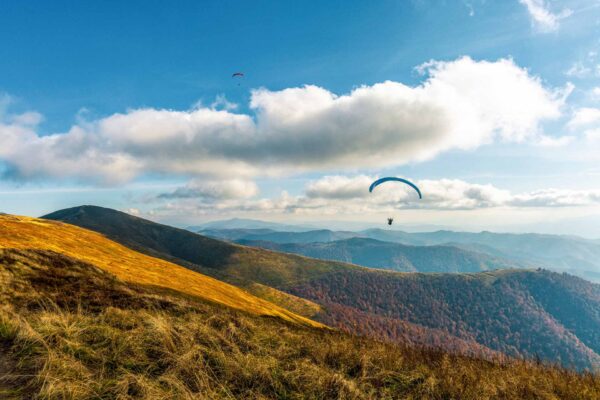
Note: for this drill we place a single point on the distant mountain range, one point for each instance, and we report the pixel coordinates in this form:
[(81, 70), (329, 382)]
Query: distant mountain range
[(570, 254), (244, 223), (393, 256), (522, 313)]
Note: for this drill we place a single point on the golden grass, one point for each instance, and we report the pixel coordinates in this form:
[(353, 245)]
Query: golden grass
[(30, 233), (295, 304)]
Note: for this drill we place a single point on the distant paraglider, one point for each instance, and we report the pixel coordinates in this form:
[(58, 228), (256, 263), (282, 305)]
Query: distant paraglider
[(237, 75), (394, 179)]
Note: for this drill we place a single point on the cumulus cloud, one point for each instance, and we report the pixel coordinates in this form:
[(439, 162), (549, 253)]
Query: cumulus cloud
[(541, 15), (461, 104), (214, 190)]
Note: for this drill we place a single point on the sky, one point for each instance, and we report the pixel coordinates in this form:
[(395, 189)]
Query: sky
[(491, 107)]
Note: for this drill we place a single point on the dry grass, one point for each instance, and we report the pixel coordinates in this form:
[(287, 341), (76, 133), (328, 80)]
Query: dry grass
[(295, 304), (131, 266), (69, 330)]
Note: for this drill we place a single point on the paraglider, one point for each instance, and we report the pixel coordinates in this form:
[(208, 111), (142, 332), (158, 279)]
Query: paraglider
[(391, 178), (238, 75)]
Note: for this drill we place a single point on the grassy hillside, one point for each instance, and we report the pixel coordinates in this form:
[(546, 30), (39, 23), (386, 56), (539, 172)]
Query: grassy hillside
[(469, 314), (71, 330), (393, 256), (30, 233)]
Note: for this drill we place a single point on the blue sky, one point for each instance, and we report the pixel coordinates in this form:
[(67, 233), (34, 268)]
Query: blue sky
[(522, 154)]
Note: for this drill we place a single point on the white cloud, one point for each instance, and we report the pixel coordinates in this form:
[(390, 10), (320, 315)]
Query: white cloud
[(541, 15), (31, 118), (461, 104), (556, 198), (548, 141), (593, 134), (579, 70), (584, 117), (221, 102), (133, 211), (214, 190), (339, 187)]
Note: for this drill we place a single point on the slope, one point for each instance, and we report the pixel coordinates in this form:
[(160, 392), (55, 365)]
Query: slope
[(70, 330), (541, 314), (30, 233)]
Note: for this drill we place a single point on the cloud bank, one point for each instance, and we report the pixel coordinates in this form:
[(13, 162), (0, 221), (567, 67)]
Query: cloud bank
[(460, 104), (349, 195)]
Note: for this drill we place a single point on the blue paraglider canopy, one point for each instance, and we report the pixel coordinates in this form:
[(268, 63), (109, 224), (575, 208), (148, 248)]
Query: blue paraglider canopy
[(391, 178)]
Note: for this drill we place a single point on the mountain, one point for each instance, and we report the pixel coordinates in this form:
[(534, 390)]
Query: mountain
[(570, 254), (242, 223), (478, 314), (82, 317), (226, 260), (267, 235), (520, 313), (393, 256), (275, 236), (24, 233)]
